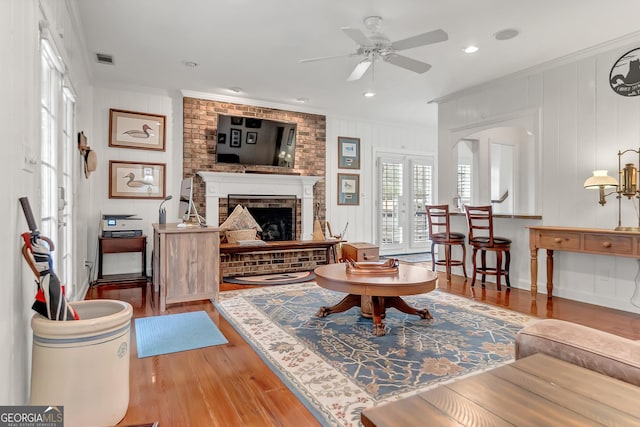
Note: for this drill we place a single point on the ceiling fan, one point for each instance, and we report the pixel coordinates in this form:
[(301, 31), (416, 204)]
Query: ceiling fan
[(378, 45)]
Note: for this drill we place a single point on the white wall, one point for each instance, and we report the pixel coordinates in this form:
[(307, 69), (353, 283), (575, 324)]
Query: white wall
[(399, 139), (361, 218), (20, 124), (141, 100), (582, 125)]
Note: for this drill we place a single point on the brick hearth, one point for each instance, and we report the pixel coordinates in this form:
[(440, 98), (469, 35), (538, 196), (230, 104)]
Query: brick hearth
[(258, 263)]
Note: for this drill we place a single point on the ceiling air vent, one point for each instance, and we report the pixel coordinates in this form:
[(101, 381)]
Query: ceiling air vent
[(104, 58)]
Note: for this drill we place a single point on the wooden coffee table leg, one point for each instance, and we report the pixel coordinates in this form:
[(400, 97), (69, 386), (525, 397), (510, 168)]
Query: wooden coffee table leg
[(399, 304), (344, 305), (378, 313)]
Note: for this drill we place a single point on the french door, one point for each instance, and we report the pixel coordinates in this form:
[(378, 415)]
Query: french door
[(405, 186), (56, 164)]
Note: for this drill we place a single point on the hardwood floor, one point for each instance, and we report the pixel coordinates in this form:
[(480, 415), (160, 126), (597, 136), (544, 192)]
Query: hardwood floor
[(229, 385)]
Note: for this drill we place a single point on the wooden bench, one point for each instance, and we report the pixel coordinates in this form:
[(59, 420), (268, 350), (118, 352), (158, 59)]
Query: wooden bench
[(330, 246)]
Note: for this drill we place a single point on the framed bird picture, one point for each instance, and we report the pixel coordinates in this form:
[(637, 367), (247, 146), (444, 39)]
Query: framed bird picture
[(141, 131), (136, 180)]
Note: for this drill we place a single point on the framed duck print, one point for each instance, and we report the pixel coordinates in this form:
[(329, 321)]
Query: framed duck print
[(142, 131), (136, 180)]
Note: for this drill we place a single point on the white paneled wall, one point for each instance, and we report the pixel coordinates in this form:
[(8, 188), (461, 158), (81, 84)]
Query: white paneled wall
[(396, 138), (361, 219), (146, 101), (583, 124)]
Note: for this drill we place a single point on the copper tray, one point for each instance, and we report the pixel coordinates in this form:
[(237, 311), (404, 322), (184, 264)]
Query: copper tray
[(389, 266)]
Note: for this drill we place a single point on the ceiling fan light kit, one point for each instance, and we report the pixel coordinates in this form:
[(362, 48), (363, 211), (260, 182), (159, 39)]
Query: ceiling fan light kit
[(377, 45)]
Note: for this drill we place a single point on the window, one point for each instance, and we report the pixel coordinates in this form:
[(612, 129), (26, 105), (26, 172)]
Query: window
[(422, 174), (464, 184)]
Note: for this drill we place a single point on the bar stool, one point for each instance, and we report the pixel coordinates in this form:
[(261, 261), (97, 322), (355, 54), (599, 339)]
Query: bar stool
[(480, 222), (438, 217)]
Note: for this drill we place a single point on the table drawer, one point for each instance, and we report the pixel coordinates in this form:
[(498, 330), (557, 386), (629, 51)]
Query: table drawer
[(123, 244), (559, 240), (616, 245)]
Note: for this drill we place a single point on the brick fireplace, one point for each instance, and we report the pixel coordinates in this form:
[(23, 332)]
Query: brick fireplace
[(219, 185), (277, 215), (214, 182), (200, 126)]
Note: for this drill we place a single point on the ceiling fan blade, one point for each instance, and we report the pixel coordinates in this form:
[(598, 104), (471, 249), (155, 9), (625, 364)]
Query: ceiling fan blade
[(357, 36), (322, 58), (407, 63), (435, 36), (359, 71)]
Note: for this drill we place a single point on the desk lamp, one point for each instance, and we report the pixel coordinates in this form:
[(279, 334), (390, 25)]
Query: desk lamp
[(628, 186), (162, 213)]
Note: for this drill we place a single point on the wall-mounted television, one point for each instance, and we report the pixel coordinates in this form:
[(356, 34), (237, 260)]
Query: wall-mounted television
[(255, 141)]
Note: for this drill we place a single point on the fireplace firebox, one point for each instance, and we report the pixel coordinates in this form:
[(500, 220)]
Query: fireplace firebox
[(276, 215)]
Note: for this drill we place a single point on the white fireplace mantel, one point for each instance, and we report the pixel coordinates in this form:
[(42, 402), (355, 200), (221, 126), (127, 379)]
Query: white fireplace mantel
[(221, 184)]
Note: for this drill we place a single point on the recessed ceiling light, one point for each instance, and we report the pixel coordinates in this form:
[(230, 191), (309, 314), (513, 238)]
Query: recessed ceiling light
[(235, 89), (369, 94), (302, 100), (506, 34), (470, 49), (190, 64)]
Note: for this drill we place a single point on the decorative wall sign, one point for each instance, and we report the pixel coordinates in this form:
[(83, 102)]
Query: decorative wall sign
[(252, 137), (136, 180), (129, 129), (348, 153), (222, 138), (348, 189), (624, 77)]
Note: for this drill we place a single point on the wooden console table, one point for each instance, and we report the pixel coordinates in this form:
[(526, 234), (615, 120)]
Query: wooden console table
[(582, 240), (186, 263)]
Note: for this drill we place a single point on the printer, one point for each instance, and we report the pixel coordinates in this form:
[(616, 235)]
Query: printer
[(121, 226)]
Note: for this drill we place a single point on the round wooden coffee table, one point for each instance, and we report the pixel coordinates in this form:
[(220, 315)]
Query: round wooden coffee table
[(374, 293)]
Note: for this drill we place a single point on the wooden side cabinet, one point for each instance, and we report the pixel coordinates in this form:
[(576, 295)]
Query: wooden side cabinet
[(186, 263), (360, 251)]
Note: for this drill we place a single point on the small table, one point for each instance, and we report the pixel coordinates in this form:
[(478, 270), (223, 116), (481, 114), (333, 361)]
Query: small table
[(116, 245), (375, 293), (538, 390)]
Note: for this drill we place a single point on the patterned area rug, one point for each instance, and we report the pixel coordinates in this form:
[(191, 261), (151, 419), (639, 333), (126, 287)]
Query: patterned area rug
[(337, 367)]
